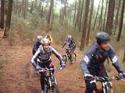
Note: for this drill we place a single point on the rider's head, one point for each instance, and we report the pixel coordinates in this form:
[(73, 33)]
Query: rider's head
[(39, 38), (45, 43), (69, 36), (103, 39)]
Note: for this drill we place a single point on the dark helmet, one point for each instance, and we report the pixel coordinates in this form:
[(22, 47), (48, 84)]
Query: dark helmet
[(102, 37)]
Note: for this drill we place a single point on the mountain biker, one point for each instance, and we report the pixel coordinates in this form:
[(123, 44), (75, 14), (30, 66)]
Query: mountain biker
[(44, 53), (92, 64), (37, 44), (70, 45)]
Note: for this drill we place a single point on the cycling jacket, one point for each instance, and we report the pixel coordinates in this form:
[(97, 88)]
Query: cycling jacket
[(45, 56), (94, 58), (35, 47), (70, 44)]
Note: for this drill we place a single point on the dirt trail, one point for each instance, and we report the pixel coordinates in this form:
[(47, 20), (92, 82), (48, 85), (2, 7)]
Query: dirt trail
[(18, 76)]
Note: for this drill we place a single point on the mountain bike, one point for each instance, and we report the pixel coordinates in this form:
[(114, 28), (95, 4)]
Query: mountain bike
[(48, 81), (106, 83), (69, 56)]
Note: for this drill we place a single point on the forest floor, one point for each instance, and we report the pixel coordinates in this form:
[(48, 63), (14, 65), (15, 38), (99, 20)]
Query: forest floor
[(18, 76)]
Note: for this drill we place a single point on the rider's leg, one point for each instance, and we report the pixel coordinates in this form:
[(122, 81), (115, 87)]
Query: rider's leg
[(90, 87)]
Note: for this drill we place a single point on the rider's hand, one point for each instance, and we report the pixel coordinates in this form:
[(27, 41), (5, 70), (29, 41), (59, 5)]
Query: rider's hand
[(121, 75), (62, 66), (38, 68), (89, 77)]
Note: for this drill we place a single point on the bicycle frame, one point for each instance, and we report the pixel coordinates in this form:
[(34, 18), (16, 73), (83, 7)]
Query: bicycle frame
[(106, 83), (107, 87), (69, 56), (50, 80)]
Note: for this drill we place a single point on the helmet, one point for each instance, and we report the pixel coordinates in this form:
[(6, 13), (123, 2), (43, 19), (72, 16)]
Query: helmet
[(102, 37), (45, 41), (49, 38), (69, 36), (39, 38)]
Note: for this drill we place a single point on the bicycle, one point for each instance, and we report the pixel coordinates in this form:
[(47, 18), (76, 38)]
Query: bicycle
[(48, 81), (69, 56), (106, 83)]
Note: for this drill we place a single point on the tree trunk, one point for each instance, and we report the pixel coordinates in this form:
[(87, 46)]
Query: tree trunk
[(2, 14), (78, 13), (101, 16), (75, 11), (110, 16), (50, 15), (124, 56), (104, 22), (94, 26), (8, 20), (90, 21), (85, 21), (117, 15), (121, 21)]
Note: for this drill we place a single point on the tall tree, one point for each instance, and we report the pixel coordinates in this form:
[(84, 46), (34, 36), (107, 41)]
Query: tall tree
[(2, 14), (101, 16), (90, 22), (94, 26), (24, 8), (85, 21), (121, 21), (8, 19), (75, 11), (117, 15), (105, 13), (78, 13), (50, 15), (110, 16)]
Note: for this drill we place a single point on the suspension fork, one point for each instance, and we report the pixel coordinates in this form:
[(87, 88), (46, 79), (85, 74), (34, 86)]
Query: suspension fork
[(107, 87)]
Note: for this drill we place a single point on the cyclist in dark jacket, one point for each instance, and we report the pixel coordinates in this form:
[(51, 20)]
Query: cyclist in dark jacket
[(70, 46), (37, 44), (92, 64), (70, 43)]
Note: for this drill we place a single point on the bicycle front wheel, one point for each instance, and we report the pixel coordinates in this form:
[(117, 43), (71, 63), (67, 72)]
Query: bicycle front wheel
[(108, 89)]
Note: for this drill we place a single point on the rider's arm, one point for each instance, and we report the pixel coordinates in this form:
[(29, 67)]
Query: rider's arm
[(85, 61), (57, 55), (64, 43), (115, 60), (34, 58)]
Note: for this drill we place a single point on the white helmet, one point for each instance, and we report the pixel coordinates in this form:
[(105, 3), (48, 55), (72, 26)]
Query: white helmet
[(45, 41), (39, 38), (69, 36)]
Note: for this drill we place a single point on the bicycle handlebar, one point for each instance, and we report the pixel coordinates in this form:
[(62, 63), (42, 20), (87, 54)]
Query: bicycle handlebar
[(103, 79), (45, 69)]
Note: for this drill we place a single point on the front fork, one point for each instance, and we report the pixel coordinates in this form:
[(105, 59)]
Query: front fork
[(107, 87), (52, 81)]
